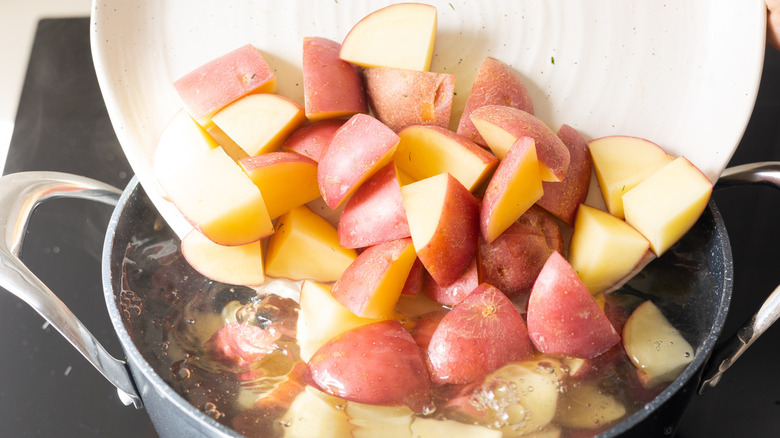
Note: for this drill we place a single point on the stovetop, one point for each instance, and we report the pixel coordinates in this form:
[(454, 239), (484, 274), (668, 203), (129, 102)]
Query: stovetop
[(48, 389)]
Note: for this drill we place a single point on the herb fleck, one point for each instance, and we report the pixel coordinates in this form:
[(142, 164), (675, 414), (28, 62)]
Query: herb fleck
[(552, 60), (453, 7), (253, 76), (405, 95)]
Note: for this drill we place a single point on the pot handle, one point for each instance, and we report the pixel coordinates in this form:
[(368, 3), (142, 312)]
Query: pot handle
[(20, 193), (765, 173)]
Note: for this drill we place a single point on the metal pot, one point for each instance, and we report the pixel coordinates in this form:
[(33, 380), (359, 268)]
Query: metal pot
[(700, 266)]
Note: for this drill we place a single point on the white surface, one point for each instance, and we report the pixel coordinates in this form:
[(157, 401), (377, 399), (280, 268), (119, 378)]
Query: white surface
[(18, 21), (666, 71)]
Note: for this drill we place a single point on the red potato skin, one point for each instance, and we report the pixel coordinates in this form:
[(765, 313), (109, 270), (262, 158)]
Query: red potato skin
[(454, 292), (242, 344), (377, 363), (496, 84), (423, 329), (563, 318), (355, 286), (271, 158), (210, 87), (402, 98), (563, 198), (356, 148), (375, 213), (451, 250), (479, 335), (549, 148), (312, 139), (513, 261), (414, 282), (330, 84)]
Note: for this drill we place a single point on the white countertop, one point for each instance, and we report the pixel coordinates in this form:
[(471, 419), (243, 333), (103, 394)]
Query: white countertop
[(18, 21)]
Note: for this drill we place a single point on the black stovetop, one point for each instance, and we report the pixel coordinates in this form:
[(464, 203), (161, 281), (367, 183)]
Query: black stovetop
[(48, 389)]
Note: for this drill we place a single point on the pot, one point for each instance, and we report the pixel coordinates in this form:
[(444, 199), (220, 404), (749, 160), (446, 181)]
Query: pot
[(699, 267)]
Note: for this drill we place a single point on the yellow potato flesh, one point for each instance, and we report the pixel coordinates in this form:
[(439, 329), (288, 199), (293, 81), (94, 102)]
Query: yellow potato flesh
[(217, 196), (424, 152), (665, 206), (258, 123), (604, 249), (500, 141), (399, 36), (585, 406), (240, 264), (321, 317), (424, 202), (654, 345), (305, 246), (285, 186), (622, 162), (518, 193)]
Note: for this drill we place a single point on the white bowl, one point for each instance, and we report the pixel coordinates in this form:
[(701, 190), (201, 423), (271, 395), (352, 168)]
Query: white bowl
[(683, 73)]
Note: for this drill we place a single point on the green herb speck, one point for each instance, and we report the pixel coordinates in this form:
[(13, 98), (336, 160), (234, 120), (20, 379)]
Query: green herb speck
[(453, 7), (552, 60)]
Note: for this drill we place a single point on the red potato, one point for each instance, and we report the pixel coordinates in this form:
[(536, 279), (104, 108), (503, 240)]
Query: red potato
[(563, 317), (496, 84), (425, 326), (414, 281), (285, 179), (479, 335), (180, 143), (375, 212), (208, 88), (256, 124), (402, 98), (361, 147), (512, 190), (284, 394), (378, 363), (501, 126), (400, 35), (443, 219), (312, 139), (371, 285), (426, 151), (597, 366), (454, 292), (240, 264), (519, 399), (562, 198), (220, 200), (242, 344), (513, 261), (332, 87)]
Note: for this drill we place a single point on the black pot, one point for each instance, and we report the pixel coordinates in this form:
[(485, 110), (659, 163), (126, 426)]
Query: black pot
[(698, 269)]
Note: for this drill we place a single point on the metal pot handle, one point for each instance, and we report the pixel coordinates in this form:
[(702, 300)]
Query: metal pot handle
[(765, 173), (20, 193)]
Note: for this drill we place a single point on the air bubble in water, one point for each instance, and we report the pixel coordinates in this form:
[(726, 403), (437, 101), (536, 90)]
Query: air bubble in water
[(211, 410)]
